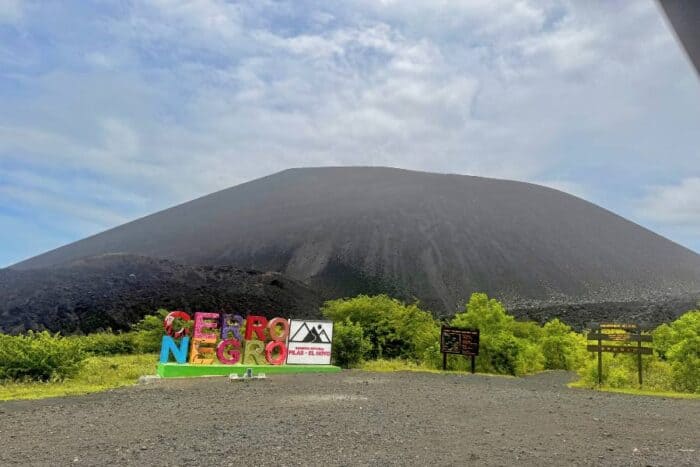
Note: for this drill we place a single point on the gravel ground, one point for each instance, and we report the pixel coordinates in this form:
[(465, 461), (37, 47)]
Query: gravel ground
[(353, 418)]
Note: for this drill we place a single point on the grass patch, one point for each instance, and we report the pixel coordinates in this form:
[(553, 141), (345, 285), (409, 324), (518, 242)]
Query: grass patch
[(581, 384), (387, 366), (96, 374)]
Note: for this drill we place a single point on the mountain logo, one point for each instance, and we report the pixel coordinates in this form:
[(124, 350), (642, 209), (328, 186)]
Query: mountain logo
[(310, 334)]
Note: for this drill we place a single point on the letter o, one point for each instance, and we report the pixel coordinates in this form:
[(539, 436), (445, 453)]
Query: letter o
[(272, 329), (270, 348)]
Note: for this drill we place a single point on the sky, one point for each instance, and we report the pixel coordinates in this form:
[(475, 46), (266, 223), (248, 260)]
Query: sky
[(110, 111)]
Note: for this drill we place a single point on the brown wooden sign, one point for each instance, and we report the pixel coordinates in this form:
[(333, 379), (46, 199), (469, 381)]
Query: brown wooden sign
[(459, 342), (620, 349), (626, 337), (617, 326), (619, 333)]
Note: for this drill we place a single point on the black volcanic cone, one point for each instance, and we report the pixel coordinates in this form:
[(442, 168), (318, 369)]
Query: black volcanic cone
[(434, 237)]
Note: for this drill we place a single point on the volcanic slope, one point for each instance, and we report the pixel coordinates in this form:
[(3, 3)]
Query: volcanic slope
[(114, 291), (434, 237)]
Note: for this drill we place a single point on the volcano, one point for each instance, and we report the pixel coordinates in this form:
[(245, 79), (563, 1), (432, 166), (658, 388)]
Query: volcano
[(414, 235)]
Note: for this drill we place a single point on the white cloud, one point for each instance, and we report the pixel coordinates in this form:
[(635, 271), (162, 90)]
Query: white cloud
[(173, 99), (677, 204)]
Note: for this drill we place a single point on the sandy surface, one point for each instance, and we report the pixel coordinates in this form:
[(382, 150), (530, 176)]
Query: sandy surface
[(353, 418)]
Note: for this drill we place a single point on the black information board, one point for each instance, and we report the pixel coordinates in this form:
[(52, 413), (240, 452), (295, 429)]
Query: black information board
[(459, 342)]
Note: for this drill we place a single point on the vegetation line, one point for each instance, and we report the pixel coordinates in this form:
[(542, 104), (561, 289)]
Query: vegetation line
[(375, 333)]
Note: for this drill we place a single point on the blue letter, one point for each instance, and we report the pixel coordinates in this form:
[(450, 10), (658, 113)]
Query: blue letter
[(168, 345)]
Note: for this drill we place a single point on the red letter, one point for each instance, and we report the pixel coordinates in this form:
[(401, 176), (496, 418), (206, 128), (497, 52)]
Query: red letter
[(270, 348), (170, 319), (272, 329), (255, 324), (234, 355)]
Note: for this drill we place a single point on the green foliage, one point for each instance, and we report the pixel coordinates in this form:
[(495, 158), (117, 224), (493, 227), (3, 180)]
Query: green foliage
[(148, 333), (350, 346), (562, 348), (145, 337), (506, 346), (487, 315), (95, 374), (107, 343), (394, 329), (683, 351), (39, 356)]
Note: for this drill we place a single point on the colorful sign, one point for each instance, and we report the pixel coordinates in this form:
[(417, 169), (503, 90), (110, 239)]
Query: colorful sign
[(310, 342), (228, 339)]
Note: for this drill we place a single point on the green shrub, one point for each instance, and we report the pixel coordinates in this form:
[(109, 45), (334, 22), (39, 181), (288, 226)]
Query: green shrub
[(145, 337), (107, 343), (658, 375), (679, 344), (39, 356), (148, 333), (562, 348), (506, 346), (394, 329), (350, 346), (487, 315), (529, 359)]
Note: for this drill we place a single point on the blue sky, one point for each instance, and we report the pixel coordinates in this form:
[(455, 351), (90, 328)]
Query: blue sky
[(113, 110)]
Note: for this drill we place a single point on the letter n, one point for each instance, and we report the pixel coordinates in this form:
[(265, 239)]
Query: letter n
[(168, 345)]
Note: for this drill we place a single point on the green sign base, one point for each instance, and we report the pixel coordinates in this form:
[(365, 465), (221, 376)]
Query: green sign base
[(185, 370)]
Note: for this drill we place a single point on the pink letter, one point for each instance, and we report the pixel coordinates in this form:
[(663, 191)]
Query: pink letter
[(203, 323)]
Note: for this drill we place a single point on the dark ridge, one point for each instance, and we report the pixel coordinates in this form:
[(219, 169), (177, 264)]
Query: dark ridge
[(115, 291), (414, 235)]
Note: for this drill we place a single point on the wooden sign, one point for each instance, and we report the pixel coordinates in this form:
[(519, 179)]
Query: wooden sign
[(459, 342), (619, 349), (594, 336), (619, 333), (617, 326)]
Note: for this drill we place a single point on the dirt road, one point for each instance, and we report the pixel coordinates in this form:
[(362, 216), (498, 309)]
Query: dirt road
[(353, 418)]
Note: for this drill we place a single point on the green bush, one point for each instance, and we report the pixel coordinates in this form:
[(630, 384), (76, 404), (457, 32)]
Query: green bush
[(145, 337), (39, 356), (107, 343), (562, 348), (487, 315), (394, 329), (148, 333), (350, 346), (683, 352), (506, 346)]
